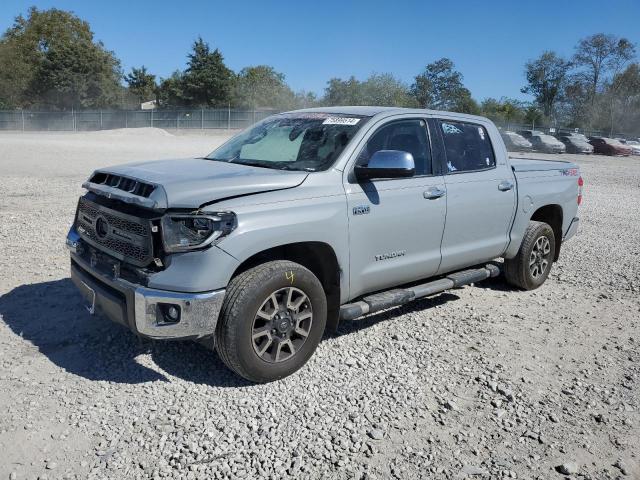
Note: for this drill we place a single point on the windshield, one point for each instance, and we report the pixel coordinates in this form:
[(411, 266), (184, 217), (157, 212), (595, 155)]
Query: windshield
[(304, 141)]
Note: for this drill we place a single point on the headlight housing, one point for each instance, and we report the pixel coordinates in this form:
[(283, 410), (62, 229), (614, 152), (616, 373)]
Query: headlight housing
[(184, 232)]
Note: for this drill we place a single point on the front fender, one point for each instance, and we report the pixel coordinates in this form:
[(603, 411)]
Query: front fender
[(295, 220)]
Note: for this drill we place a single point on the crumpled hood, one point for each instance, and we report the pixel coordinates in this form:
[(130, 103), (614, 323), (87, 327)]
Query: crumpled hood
[(190, 183)]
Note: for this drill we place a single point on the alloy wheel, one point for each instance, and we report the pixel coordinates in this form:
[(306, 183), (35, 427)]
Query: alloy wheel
[(539, 259), (282, 324)]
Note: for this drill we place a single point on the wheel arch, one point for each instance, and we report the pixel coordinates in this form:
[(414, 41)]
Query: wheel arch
[(319, 257), (553, 216)]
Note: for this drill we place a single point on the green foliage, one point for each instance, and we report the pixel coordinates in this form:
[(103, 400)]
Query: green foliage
[(504, 111), (534, 115), (545, 79), (171, 91), (379, 89), (440, 87), (343, 92), (142, 84), (50, 59), (207, 82), (386, 90), (262, 87)]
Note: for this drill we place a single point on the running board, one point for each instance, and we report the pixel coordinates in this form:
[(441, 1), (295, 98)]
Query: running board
[(400, 296)]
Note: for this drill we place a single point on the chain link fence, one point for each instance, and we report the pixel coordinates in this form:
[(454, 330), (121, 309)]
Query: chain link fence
[(220, 118), (87, 120)]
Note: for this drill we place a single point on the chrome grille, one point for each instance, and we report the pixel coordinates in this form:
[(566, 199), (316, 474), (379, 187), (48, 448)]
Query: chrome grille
[(123, 236)]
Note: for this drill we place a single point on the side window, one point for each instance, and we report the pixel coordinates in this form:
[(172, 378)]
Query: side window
[(467, 146), (404, 135)]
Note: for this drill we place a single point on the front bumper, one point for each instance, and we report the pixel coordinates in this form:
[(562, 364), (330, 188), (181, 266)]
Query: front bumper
[(142, 309)]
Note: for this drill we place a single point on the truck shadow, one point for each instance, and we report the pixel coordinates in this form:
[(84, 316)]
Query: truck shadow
[(52, 317)]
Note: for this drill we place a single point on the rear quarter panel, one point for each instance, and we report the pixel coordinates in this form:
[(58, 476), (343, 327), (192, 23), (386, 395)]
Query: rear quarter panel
[(537, 189)]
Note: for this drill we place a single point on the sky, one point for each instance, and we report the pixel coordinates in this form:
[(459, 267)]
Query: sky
[(311, 42)]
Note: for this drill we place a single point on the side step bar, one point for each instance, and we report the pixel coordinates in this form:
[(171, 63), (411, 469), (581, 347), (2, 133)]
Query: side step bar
[(394, 298)]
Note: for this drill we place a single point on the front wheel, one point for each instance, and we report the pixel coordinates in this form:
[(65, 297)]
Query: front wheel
[(272, 320), (531, 266)]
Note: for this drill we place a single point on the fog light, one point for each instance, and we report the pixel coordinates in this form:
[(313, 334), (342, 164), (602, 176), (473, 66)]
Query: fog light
[(173, 313), (170, 312)]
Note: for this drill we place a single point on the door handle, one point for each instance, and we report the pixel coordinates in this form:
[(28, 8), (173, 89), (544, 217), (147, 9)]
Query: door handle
[(505, 185), (433, 193)]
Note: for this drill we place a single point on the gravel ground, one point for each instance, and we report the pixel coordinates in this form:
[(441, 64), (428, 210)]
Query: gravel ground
[(480, 382)]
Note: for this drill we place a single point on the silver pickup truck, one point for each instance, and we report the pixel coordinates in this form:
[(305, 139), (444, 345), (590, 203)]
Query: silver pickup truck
[(310, 217)]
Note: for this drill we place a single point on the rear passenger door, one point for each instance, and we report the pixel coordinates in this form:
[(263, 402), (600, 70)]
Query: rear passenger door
[(395, 224), (481, 195)]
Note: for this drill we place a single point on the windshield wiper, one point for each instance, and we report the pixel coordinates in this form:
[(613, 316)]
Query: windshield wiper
[(297, 169), (273, 165)]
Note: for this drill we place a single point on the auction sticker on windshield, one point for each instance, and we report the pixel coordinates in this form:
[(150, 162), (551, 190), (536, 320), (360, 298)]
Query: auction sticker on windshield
[(341, 121)]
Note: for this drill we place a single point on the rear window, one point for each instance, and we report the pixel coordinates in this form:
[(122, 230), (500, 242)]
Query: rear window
[(467, 146)]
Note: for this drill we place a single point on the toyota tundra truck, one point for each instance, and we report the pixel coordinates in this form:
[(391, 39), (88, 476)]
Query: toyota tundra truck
[(311, 217)]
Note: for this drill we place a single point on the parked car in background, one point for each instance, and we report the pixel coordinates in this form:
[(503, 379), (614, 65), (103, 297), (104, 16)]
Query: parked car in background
[(576, 143), (547, 143), (529, 133), (515, 142), (580, 136), (634, 145), (609, 146)]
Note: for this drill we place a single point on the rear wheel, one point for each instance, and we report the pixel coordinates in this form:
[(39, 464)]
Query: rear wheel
[(272, 320), (531, 266)]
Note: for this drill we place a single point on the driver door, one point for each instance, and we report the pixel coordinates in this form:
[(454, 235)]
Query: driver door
[(396, 224)]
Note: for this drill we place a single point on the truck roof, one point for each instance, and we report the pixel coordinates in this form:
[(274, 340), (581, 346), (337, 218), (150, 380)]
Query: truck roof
[(370, 111)]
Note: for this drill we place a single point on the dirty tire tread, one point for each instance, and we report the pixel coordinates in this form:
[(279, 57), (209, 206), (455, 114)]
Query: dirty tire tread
[(241, 290), (516, 269)]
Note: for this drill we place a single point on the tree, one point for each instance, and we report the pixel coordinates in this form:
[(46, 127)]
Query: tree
[(573, 103), (440, 87), (343, 92), (379, 89), (545, 77), (142, 84), (601, 55), (622, 96), (50, 59), (533, 115), (262, 86), (207, 80), (171, 91), (305, 99), (504, 111), (386, 90)]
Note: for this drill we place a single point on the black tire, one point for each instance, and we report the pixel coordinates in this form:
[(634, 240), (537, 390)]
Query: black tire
[(249, 292), (518, 271)]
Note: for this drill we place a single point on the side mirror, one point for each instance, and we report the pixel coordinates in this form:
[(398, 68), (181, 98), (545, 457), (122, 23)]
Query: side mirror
[(387, 164)]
